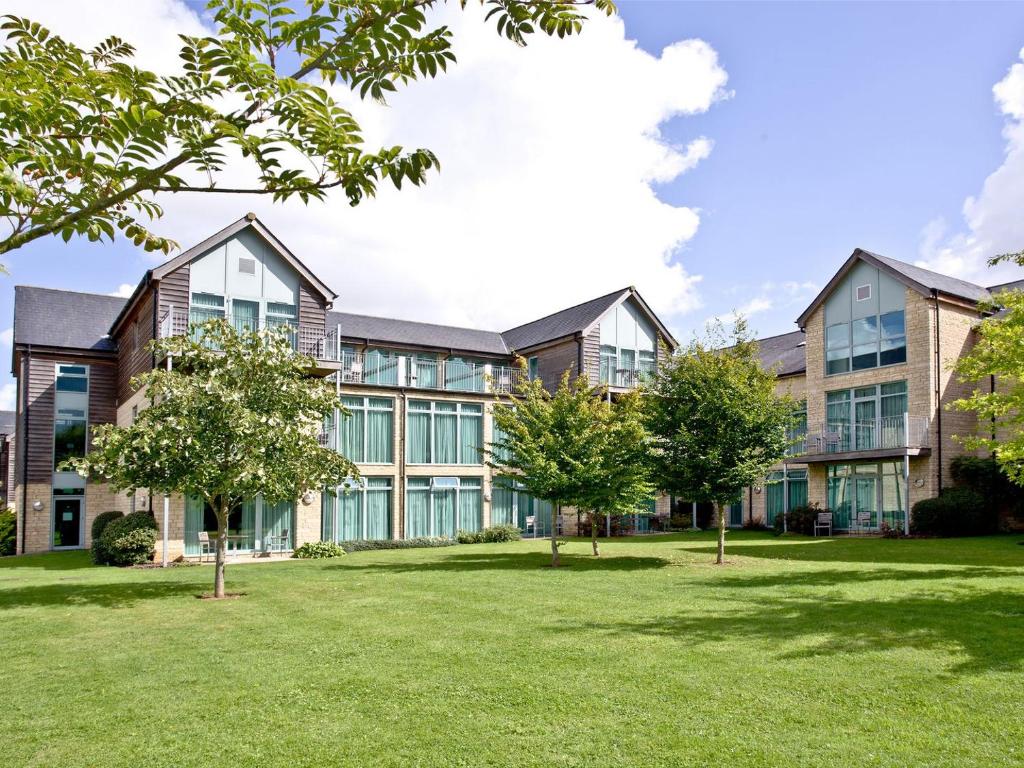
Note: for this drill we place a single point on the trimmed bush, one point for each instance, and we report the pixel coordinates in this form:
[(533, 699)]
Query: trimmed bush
[(128, 540), (8, 529), (492, 535), (957, 512), (318, 550), (103, 519), (361, 545), (798, 520)]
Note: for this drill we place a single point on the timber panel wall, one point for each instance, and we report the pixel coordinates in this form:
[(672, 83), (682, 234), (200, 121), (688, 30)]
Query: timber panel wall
[(312, 309), (133, 354), (592, 355), (103, 381), (555, 360), (41, 375), (173, 291)]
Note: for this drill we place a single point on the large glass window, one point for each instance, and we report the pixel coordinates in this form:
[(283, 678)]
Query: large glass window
[(368, 429), (627, 346), (71, 412), (866, 417), (380, 367), (362, 511), (785, 489), (863, 496), (442, 506), (442, 432), (867, 342)]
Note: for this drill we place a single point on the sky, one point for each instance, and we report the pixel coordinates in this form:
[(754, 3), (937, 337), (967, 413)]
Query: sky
[(720, 157)]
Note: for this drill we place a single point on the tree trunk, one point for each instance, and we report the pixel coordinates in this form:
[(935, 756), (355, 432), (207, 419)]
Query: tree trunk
[(720, 509), (222, 546), (593, 533), (556, 510)]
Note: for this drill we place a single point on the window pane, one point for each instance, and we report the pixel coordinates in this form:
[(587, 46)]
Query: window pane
[(838, 362), (419, 438), (865, 357), (893, 324), (865, 331), (445, 444), (470, 452), (352, 429), (837, 336), (68, 440), (379, 436), (72, 384)]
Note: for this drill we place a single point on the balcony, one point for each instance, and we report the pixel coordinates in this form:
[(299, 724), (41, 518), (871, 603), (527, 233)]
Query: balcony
[(396, 370), (883, 437), (624, 378), (306, 339)]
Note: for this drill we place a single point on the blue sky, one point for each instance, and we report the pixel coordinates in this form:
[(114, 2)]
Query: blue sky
[(844, 125)]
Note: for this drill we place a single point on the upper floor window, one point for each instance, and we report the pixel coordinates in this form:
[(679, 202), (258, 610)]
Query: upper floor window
[(71, 412), (441, 432), (868, 342), (627, 346), (367, 431), (533, 368)]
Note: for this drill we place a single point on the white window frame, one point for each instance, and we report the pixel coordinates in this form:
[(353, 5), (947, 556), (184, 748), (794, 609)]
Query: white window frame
[(459, 487), (858, 289), (458, 431), (366, 408)]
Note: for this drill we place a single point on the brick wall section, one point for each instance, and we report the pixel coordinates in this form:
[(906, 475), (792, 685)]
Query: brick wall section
[(37, 524)]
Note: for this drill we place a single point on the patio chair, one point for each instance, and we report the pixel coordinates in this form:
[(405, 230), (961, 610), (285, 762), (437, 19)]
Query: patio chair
[(280, 541), (823, 523), (205, 545)]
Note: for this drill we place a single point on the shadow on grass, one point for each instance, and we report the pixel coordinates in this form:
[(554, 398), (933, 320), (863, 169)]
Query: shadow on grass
[(966, 552), (485, 560), (837, 577), (980, 631), (119, 595)]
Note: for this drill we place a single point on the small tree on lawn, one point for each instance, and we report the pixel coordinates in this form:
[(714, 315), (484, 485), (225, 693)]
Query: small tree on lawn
[(622, 478), (235, 416), (999, 353), (550, 444), (718, 425)]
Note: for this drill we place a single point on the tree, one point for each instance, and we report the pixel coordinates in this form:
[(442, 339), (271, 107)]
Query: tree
[(89, 139), (620, 481), (999, 352), (550, 443), (234, 416), (717, 423)]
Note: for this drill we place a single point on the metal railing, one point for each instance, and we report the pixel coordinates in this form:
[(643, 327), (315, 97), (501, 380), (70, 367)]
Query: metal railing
[(884, 432), (307, 339), (397, 370), (628, 378)]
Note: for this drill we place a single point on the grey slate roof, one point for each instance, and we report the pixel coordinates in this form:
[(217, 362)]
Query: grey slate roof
[(385, 330), (935, 281), (1013, 285), (48, 317), (786, 352), (6, 422), (563, 323)]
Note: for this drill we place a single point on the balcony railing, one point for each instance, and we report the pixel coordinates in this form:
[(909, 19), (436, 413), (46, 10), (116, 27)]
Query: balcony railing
[(307, 339), (882, 433), (395, 370), (628, 378)]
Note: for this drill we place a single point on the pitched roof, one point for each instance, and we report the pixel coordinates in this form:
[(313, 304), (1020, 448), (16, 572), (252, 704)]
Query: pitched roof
[(1013, 285), (787, 353), (48, 317), (6, 422), (383, 330), (563, 323)]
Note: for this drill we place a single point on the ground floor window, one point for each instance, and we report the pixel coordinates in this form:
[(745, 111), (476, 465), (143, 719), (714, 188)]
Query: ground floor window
[(252, 526), (362, 512), (863, 496), (511, 506), (68, 520), (442, 506), (786, 489)]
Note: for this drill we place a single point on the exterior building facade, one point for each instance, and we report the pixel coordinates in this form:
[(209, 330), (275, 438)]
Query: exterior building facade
[(873, 367), (418, 396)]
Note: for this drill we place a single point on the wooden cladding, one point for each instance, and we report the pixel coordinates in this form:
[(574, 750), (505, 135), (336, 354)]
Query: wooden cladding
[(133, 353)]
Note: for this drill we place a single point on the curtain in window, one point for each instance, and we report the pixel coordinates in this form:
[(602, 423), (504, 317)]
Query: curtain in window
[(419, 436), (353, 426), (193, 524), (472, 438), (775, 497), (837, 418), (839, 501), (417, 511), (381, 367), (426, 371), (894, 494), (350, 515), (470, 509), (246, 531), (378, 508), (278, 520), (865, 424), (445, 433), (444, 513), (607, 364), (245, 315), (328, 501), (378, 432), (542, 517), (797, 493), (501, 505)]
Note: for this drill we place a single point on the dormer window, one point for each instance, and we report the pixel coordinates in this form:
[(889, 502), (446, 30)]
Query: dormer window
[(863, 292)]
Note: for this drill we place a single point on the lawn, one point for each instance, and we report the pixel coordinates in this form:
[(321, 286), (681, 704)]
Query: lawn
[(799, 652)]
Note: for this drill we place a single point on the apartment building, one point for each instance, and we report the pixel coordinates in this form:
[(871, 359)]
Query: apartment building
[(419, 396), (873, 366)]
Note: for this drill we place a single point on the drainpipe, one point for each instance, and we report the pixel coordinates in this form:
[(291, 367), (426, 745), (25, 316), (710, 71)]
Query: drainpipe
[(23, 394), (938, 392), (580, 370), (400, 494)]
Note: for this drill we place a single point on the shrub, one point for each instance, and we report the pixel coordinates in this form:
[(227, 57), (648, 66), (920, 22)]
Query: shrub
[(890, 531), (798, 520), (361, 545), (957, 512), (128, 540), (103, 519), (8, 528), (318, 550), (754, 524), (492, 535), (680, 521)]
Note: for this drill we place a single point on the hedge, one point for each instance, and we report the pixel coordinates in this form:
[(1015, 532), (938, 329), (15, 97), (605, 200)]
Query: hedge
[(103, 519), (128, 540), (956, 512), (361, 545)]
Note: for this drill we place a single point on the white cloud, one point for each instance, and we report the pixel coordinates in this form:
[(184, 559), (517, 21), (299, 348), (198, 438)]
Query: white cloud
[(8, 396), (545, 196), (993, 217), (769, 296), (6, 337), (124, 290)]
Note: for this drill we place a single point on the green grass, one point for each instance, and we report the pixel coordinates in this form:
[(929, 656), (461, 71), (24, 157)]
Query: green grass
[(800, 652)]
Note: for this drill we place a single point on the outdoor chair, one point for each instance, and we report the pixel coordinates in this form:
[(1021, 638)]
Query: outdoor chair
[(279, 542), (823, 523), (205, 545)]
